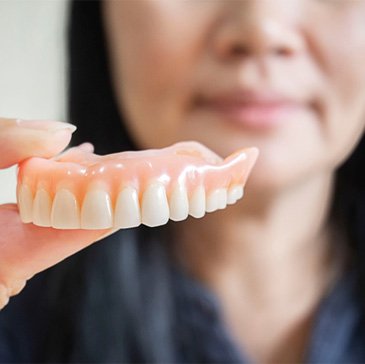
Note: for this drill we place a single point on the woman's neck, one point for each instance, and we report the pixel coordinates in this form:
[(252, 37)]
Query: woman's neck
[(271, 256)]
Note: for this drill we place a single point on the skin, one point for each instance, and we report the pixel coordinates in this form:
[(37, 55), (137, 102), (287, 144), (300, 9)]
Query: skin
[(26, 249), (271, 258)]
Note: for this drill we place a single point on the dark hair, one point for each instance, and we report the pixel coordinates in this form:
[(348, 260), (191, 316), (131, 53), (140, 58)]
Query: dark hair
[(111, 302), (115, 299)]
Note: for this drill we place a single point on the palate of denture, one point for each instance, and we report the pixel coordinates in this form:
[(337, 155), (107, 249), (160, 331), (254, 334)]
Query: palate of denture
[(79, 189)]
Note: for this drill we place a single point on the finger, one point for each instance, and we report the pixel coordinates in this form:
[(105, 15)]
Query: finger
[(20, 139), (26, 249)]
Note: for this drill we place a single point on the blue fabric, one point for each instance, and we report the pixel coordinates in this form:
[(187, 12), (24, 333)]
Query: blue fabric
[(337, 336), (23, 325), (199, 321)]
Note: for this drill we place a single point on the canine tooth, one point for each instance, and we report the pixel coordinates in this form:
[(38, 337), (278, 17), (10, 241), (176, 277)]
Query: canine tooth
[(155, 208), (127, 213), (222, 198), (179, 204), (65, 213), (42, 206), (25, 203), (212, 202), (234, 194), (197, 203), (96, 212)]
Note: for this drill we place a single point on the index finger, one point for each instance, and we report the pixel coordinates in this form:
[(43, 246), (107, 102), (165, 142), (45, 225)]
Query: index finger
[(21, 139)]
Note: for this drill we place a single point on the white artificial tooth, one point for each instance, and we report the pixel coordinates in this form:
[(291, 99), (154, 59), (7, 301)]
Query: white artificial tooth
[(96, 212), (25, 203), (234, 194), (212, 202), (179, 203), (155, 208), (222, 198), (197, 202), (240, 192), (65, 213), (127, 213), (42, 206)]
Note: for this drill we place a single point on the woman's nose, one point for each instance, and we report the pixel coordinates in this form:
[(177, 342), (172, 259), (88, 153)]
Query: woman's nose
[(259, 28)]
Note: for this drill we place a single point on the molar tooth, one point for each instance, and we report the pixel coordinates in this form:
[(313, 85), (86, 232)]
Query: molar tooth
[(197, 203), (222, 198), (65, 213), (234, 194), (179, 203), (25, 203), (96, 212), (127, 213), (42, 206), (212, 202), (155, 208)]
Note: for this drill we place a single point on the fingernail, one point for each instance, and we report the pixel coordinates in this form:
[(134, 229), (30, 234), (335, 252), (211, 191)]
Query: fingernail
[(46, 125)]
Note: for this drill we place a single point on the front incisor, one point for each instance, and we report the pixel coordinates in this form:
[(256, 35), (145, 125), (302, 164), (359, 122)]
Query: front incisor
[(127, 211), (96, 212), (155, 208), (65, 212)]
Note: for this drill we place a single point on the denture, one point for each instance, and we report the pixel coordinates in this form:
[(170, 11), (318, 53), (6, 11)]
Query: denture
[(80, 189)]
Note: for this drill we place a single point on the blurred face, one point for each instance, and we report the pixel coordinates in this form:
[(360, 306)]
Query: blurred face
[(286, 76)]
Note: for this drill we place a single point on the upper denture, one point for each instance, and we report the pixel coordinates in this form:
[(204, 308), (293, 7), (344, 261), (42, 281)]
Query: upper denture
[(129, 188)]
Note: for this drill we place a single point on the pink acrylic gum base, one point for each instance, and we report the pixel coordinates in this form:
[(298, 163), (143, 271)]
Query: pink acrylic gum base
[(80, 171)]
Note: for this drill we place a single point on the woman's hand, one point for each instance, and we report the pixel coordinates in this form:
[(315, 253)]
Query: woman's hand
[(26, 249)]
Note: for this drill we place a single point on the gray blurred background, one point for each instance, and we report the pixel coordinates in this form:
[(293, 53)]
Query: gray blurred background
[(32, 66)]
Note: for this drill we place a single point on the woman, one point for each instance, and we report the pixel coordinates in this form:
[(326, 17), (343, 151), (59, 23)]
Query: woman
[(261, 281)]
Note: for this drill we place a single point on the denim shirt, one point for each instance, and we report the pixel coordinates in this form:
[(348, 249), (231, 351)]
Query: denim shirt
[(337, 335), (201, 336)]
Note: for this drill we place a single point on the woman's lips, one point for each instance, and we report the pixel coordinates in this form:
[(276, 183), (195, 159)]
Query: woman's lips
[(254, 111)]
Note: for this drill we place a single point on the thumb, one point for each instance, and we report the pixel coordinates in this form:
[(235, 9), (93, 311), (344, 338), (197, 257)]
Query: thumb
[(20, 139), (26, 249)]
